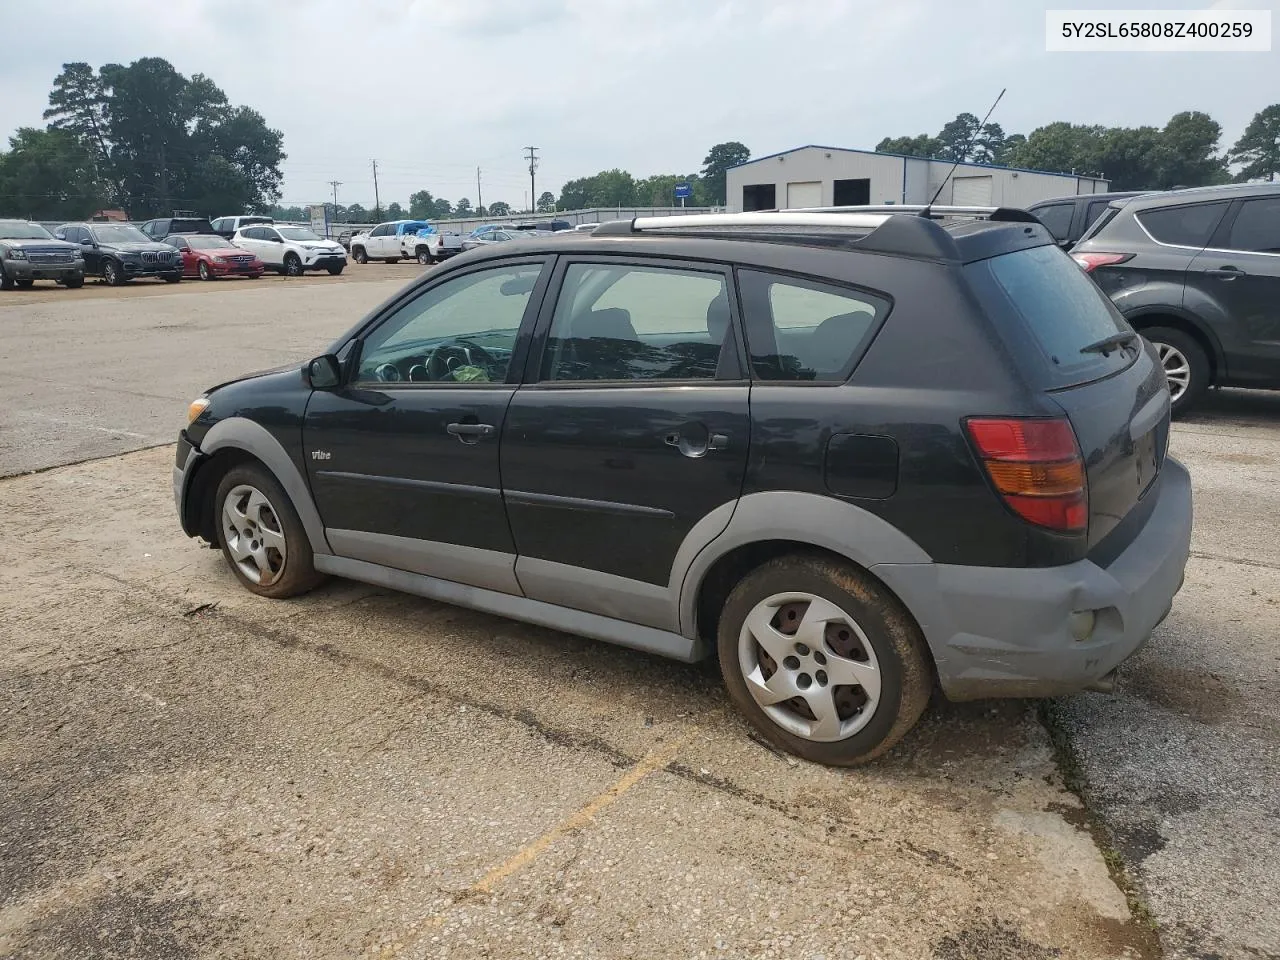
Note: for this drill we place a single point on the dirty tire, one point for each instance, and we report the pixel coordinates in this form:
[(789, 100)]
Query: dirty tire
[(299, 575), (1196, 361), (906, 673)]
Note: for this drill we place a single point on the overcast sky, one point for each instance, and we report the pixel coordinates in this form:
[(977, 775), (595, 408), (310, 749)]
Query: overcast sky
[(434, 88)]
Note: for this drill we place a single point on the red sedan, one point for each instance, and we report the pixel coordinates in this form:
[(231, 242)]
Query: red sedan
[(209, 257)]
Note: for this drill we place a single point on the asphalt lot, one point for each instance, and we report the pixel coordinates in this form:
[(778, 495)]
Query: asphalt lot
[(188, 770)]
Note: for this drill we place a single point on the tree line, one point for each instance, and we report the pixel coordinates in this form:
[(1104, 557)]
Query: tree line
[(143, 138), (1183, 153)]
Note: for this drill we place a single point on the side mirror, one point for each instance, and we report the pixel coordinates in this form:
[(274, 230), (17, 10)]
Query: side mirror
[(324, 372)]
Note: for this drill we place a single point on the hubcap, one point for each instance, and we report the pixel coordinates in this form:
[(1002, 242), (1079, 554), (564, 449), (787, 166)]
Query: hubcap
[(1176, 368), (253, 534), (809, 666)]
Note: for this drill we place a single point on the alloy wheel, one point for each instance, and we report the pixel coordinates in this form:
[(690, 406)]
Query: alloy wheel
[(254, 535), (809, 666), (1176, 368)]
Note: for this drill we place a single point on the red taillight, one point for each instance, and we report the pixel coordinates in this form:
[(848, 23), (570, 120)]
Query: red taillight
[(1092, 261), (1036, 467)]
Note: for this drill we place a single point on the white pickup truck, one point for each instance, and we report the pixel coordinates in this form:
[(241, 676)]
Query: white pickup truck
[(404, 240)]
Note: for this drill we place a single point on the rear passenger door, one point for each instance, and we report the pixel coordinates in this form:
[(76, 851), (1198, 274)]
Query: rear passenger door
[(1241, 270), (631, 429)]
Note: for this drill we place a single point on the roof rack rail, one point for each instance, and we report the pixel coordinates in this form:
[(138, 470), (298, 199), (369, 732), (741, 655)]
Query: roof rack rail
[(937, 211), (781, 218)]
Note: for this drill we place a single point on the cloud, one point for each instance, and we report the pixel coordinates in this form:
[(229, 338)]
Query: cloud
[(434, 89)]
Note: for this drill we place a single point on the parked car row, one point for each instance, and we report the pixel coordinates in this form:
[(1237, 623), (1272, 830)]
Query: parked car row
[(1196, 272), (398, 240)]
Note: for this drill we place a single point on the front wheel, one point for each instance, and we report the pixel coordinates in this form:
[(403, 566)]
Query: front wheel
[(262, 539), (1185, 364), (112, 273), (203, 270), (6, 281), (359, 255), (173, 279), (292, 265), (73, 283), (335, 269), (822, 659)]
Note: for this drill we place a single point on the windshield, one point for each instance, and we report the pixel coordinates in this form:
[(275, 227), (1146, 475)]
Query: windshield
[(13, 230), (298, 233), (208, 243), (1061, 309), (119, 233)]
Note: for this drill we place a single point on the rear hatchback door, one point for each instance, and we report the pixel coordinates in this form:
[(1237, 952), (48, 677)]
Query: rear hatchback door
[(1076, 347)]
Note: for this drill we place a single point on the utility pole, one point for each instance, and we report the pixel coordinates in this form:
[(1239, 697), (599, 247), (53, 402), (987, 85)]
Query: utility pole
[(335, 184), (479, 195), (533, 165), (377, 204)]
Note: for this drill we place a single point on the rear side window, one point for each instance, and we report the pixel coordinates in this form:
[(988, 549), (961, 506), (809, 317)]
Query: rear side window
[(637, 323), (1257, 226), (1189, 226), (1093, 212), (803, 330), (1057, 219), (1040, 297)]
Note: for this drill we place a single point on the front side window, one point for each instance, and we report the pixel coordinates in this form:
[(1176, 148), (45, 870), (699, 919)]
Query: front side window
[(629, 322), (1257, 226), (462, 331), (806, 330), (1189, 226)]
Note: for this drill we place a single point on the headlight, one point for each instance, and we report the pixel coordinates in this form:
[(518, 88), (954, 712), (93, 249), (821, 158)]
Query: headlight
[(196, 408), (77, 255), (15, 254)]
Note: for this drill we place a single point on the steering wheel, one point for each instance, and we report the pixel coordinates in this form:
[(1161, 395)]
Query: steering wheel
[(448, 357)]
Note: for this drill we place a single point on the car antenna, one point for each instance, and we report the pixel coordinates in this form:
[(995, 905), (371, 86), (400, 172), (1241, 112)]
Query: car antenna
[(963, 153)]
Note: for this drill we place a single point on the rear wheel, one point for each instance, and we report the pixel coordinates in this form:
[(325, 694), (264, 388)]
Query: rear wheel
[(424, 255), (262, 539), (292, 265), (822, 659), (1185, 365)]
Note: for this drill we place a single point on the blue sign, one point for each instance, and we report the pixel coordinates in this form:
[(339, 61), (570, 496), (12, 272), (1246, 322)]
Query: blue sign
[(684, 190)]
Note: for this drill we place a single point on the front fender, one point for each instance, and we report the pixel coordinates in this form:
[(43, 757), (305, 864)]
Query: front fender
[(238, 433)]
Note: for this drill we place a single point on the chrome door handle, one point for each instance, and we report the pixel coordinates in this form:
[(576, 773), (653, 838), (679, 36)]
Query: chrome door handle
[(470, 432)]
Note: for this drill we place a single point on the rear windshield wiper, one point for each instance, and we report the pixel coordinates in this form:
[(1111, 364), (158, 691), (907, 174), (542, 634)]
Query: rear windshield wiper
[(1107, 344)]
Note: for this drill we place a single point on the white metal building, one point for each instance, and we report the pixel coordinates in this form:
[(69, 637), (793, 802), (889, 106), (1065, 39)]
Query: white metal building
[(815, 176)]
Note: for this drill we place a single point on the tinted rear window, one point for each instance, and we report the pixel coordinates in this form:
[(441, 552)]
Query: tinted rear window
[(1045, 303), (1189, 226), (1057, 218)]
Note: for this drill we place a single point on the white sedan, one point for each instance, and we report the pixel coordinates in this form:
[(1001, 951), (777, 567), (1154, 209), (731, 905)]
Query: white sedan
[(291, 250)]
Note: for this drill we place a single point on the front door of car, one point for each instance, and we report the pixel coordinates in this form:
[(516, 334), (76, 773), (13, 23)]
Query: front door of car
[(374, 242), (631, 430), (269, 246), (88, 248), (403, 457), (1241, 271)]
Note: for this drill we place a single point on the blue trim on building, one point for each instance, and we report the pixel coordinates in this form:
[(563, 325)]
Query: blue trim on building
[(877, 153)]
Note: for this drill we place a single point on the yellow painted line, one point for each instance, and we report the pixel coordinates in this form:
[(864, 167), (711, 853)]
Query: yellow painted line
[(652, 761)]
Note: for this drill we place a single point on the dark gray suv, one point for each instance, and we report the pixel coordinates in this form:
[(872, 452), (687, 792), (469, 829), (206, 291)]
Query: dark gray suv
[(1197, 272)]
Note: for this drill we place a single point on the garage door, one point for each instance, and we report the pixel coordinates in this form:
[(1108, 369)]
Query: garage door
[(971, 192), (804, 194)]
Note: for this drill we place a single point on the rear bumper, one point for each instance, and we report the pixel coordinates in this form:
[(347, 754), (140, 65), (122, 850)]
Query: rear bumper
[(1006, 631)]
